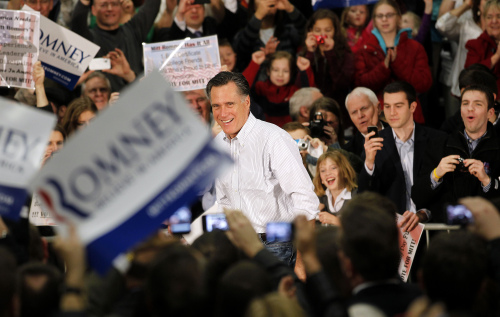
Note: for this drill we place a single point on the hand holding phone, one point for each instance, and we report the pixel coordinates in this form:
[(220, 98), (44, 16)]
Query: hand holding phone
[(373, 129)]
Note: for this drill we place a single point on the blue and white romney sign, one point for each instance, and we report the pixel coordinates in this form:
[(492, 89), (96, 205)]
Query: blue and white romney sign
[(24, 133), (65, 55), (137, 163)]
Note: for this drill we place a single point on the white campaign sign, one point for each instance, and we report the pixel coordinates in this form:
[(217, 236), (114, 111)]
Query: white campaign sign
[(24, 132), (137, 163), (191, 67), (19, 38), (64, 54)]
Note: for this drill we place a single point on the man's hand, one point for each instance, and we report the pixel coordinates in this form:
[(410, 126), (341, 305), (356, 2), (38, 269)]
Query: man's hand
[(303, 63), (409, 222), (85, 2), (242, 234), (371, 148), (258, 57), (486, 217), (264, 7), (447, 164), (184, 7), (476, 168), (328, 218), (285, 5), (120, 66), (113, 98), (305, 240), (271, 46)]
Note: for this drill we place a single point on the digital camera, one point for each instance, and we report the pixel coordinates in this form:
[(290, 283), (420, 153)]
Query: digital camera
[(316, 125), (461, 166), (320, 39), (303, 144)]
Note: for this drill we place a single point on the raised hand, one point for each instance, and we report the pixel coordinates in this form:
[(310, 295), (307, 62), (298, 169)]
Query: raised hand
[(303, 63), (371, 147), (120, 66), (258, 57)]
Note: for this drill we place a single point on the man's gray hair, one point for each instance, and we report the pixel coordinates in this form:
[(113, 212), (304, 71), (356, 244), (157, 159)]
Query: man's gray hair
[(302, 97), (363, 91), (98, 75)]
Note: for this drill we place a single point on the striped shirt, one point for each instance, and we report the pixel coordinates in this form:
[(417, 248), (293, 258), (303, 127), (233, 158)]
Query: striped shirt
[(268, 181)]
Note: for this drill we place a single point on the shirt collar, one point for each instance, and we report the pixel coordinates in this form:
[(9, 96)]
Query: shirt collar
[(194, 30), (412, 138), (469, 139), (245, 130), (344, 194)]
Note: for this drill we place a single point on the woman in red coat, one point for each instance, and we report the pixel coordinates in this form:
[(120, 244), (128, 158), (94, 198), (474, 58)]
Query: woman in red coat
[(390, 55), (484, 49)]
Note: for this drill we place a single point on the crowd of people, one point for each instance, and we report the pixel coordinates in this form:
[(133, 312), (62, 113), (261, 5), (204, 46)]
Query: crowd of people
[(337, 119)]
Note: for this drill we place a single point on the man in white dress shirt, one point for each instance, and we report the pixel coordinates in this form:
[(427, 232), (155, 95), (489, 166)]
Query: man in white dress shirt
[(268, 181)]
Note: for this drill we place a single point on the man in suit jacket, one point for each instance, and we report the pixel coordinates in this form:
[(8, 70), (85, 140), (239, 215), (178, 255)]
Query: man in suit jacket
[(363, 107), (394, 159)]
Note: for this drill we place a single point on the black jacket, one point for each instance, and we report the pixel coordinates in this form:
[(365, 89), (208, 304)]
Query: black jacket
[(456, 185), (388, 177)]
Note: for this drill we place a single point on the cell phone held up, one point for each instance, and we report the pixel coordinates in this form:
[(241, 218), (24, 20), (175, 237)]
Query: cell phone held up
[(213, 222), (459, 215), (373, 129), (100, 64), (279, 232)]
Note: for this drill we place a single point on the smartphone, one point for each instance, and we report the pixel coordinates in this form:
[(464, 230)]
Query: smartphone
[(100, 63), (180, 221), (212, 222), (459, 215), (201, 2), (374, 129), (279, 232)]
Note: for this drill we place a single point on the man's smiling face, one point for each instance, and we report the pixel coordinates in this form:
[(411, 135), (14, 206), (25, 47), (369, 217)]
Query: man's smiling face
[(230, 108)]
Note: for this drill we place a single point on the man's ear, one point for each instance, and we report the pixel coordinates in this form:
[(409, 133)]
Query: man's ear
[(304, 112), (413, 106)]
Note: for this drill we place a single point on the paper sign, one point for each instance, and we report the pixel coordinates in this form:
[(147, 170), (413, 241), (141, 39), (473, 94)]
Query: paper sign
[(65, 55), (19, 38), (408, 243), (191, 67), (24, 132), (38, 216), (317, 4), (120, 178)]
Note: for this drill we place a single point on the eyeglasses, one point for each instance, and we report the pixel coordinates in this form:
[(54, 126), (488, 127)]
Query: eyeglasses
[(35, 2), (387, 16), (105, 5), (101, 90)]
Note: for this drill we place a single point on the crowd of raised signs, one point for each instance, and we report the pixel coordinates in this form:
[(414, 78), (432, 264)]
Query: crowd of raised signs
[(300, 60)]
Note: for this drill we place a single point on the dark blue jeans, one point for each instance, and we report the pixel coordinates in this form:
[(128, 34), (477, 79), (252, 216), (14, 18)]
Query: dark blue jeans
[(283, 251)]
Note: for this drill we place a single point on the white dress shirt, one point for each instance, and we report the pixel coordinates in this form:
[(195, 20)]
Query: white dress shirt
[(268, 181), (339, 201)]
